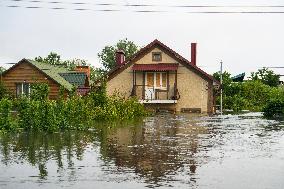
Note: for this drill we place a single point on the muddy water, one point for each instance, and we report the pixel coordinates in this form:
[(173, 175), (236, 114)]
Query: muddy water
[(184, 151)]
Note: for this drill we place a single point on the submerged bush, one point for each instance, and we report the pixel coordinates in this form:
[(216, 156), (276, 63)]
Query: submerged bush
[(75, 112), (274, 108), (6, 119)]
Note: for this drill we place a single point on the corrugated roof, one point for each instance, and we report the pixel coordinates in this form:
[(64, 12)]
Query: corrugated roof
[(155, 67), (53, 72), (77, 79)]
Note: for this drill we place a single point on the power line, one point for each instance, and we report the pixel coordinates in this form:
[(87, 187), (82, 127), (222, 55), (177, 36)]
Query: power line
[(149, 5), (147, 11)]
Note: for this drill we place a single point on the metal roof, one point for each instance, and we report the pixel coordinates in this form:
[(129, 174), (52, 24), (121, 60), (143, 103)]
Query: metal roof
[(155, 67), (76, 78)]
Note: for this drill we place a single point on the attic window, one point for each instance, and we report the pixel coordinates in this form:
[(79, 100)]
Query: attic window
[(156, 56)]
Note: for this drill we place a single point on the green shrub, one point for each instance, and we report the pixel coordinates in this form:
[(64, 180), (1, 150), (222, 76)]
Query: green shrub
[(39, 91), (274, 108), (6, 118)]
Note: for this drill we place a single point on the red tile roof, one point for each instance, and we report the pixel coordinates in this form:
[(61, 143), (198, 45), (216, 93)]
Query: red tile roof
[(155, 67)]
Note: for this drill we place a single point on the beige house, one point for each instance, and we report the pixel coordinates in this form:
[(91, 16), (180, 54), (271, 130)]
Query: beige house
[(162, 79)]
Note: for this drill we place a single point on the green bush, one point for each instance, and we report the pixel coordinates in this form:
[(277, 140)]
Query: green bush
[(6, 117), (75, 112), (39, 91), (274, 108)]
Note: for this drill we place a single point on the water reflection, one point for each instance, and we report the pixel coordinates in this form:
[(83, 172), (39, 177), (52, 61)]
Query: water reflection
[(164, 150)]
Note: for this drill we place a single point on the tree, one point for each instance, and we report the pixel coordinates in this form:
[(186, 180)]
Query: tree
[(2, 69), (107, 55), (55, 59), (226, 79), (266, 76)]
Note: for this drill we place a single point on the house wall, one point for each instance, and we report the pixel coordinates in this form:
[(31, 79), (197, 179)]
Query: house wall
[(147, 59), (121, 83), (26, 72), (194, 90)]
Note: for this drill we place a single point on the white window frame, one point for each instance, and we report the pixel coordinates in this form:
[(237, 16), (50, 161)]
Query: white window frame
[(161, 80)]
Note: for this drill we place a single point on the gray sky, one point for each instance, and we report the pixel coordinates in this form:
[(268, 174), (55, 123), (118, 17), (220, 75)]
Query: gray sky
[(245, 42)]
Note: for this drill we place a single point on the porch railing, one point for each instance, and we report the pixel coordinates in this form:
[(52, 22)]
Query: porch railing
[(157, 93)]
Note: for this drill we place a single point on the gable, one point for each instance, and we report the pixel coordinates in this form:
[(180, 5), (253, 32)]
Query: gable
[(148, 58), (144, 55), (25, 72), (46, 70)]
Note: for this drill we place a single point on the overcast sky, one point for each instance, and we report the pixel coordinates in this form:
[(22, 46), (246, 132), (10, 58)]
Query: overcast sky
[(244, 42)]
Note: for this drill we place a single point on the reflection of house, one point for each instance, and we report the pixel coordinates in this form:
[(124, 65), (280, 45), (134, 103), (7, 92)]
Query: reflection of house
[(159, 76), (20, 76), (154, 150)]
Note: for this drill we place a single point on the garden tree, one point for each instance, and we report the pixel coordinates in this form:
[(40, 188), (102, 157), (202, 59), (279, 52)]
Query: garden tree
[(97, 73), (55, 59), (266, 76), (226, 80), (2, 69), (107, 55)]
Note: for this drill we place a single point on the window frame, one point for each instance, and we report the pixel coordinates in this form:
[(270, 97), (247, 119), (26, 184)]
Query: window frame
[(155, 80), (156, 53), (22, 92)]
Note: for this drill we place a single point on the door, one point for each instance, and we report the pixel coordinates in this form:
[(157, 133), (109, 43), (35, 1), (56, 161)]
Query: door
[(149, 88)]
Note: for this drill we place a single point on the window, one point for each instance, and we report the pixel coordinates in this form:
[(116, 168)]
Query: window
[(157, 78), (23, 89), (156, 56)]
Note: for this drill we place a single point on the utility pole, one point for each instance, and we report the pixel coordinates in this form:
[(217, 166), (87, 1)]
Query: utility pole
[(221, 82)]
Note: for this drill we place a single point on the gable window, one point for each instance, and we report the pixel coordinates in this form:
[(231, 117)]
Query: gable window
[(23, 89), (156, 56)]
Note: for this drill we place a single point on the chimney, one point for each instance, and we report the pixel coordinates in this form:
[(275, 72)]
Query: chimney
[(119, 57), (84, 69), (193, 54)]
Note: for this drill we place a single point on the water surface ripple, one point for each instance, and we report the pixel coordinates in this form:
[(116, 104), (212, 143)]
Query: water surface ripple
[(178, 151)]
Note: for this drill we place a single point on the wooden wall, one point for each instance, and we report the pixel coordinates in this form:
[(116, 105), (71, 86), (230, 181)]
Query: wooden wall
[(26, 72)]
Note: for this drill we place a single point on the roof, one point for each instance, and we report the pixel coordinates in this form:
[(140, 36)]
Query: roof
[(239, 77), (54, 73), (172, 53), (77, 79), (155, 67)]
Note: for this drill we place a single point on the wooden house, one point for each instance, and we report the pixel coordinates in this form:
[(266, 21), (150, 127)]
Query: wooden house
[(19, 78)]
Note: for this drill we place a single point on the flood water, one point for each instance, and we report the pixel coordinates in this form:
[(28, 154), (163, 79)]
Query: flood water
[(182, 151)]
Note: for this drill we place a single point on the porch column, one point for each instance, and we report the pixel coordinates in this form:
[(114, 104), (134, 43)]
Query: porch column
[(175, 88), (168, 84), (135, 84), (143, 86)]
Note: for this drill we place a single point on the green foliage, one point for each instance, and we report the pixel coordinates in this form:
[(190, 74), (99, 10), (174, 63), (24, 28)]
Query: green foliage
[(226, 79), (6, 119), (80, 113), (39, 91), (274, 108), (250, 95), (107, 55), (98, 74), (55, 59), (2, 69), (3, 91), (266, 76)]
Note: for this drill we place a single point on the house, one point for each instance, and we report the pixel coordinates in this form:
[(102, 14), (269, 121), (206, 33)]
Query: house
[(162, 79), (19, 77)]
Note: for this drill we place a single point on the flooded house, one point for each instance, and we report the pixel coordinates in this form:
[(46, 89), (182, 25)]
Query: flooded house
[(19, 78), (162, 79)]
